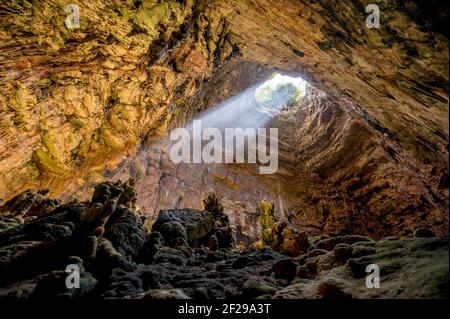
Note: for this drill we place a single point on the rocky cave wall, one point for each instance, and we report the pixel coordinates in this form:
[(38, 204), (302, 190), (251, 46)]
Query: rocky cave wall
[(368, 156)]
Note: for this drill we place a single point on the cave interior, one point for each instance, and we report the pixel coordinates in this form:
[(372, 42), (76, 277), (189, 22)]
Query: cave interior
[(88, 108)]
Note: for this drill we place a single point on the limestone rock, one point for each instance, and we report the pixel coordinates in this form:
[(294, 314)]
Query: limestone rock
[(294, 242), (198, 224), (164, 294), (171, 231), (423, 232), (285, 269), (366, 146), (125, 261), (255, 287)]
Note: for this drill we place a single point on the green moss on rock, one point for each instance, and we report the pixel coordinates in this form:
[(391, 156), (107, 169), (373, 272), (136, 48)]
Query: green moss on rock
[(46, 164)]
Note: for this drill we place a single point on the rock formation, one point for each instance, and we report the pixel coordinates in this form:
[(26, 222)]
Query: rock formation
[(116, 256), (363, 155)]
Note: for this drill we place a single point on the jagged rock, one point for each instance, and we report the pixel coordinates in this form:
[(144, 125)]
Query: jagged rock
[(183, 246), (171, 231), (151, 247), (303, 290), (8, 223), (96, 216), (423, 232), (126, 232), (224, 237), (246, 261), (170, 255), (212, 204), (24, 203), (10, 254), (109, 107), (108, 258), (158, 237), (124, 261), (53, 285), (359, 250), (164, 294), (314, 265), (205, 288), (53, 232), (213, 243), (181, 243), (88, 249), (255, 287), (215, 256), (333, 288), (397, 260), (342, 252), (316, 252), (278, 235), (304, 272), (58, 224), (330, 243), (314, 239), (268, 253), (294, 243), (270, 228), (123, 284), (198, 224), (285, 269), (389, 238), (123, 192)]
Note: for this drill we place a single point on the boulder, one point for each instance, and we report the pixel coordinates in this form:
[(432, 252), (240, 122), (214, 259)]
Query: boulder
[(170, 255), (294, 242), (246, 261), (199, 225), (123, 192), (53, 285), (151, 247), (126, 232), (213, 243), (285, 269), (342, 252), (171, 231), (330, 243), (224, 237), (316, 252), (423, 232)]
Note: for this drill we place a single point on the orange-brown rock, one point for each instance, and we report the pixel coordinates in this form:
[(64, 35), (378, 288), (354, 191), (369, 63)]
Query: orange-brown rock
[(366, 150)]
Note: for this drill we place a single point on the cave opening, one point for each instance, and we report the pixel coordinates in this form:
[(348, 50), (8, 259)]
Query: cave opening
[(255, 106), (279, 93)]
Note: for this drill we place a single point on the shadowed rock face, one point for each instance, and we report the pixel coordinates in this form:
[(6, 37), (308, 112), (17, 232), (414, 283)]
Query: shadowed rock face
[(117, 256), (338, 173), (364, 152)]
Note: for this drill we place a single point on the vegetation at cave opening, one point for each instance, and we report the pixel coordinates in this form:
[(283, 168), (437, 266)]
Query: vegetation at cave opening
[(278, 96)]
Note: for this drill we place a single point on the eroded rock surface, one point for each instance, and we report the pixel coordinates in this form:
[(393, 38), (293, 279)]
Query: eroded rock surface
[(86, 105), (363, 154), (117, 256)]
